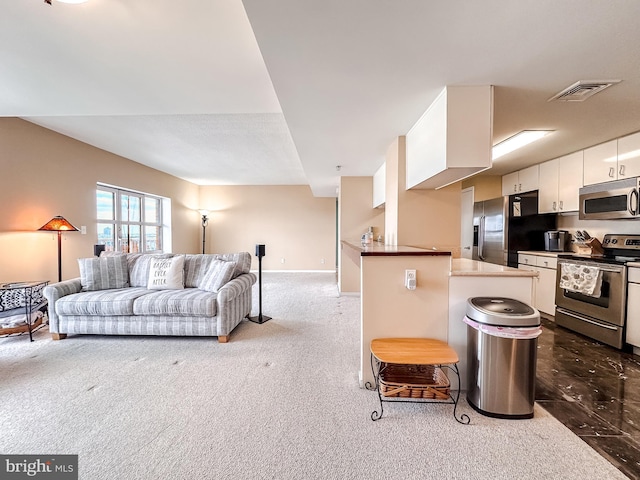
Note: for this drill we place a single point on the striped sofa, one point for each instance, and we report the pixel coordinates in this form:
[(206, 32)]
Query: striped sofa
[(138, 310)]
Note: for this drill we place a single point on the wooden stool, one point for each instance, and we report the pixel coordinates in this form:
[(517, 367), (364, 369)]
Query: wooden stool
[(412, 370)]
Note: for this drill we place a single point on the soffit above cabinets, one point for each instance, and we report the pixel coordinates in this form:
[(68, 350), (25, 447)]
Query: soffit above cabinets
[(452, 139)]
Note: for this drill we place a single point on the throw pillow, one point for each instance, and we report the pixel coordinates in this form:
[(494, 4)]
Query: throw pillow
[(103, 273), (166, 273), (218, 274)]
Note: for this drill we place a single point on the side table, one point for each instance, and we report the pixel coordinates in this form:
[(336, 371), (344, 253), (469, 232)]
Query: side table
[(19, 297), (412, 370)]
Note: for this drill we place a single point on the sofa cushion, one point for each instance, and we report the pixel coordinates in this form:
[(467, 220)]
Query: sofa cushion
[(102, 302), (139, 265), (241, 259), (197, 265), (187, 302), (218, 274), (166, 273), (103, 273)]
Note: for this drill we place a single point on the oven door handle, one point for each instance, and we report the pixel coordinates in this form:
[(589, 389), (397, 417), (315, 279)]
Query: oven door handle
[(599, 267), (578, 317)]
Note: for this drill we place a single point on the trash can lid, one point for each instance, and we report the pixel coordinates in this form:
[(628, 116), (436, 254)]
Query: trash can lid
[(501, 311)]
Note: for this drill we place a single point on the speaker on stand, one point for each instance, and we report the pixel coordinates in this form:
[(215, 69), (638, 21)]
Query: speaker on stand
[(260, 318)]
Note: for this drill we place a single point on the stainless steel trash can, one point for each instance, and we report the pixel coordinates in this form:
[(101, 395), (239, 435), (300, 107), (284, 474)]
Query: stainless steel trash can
[(502, 341)]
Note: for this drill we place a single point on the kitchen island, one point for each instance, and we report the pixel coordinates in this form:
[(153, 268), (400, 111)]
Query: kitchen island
[(470, 278), (387, 307), (436, 307)]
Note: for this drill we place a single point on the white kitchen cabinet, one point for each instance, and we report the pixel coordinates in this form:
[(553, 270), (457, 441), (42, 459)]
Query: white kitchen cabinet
[(549, 184), (570, 172), (528, 179), (633, 307), (545, 284), (560, 182), (510, 184), (629, 156), (601, 163), (525, 180), (527, 260)]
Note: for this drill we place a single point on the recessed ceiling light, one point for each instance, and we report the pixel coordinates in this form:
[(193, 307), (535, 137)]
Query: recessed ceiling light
[(517, 141)]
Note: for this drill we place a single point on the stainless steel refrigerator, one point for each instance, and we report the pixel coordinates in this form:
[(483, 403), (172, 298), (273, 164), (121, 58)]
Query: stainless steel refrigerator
[(505, 225), (488, 231)]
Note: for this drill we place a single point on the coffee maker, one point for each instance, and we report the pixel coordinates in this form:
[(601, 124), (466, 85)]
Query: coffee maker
[(556, 240)]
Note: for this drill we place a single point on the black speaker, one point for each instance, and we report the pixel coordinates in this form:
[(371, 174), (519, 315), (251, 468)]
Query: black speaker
[(260, 318), (98, 249)]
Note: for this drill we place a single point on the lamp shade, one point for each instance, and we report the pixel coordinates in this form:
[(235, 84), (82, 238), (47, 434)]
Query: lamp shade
[(58, 224)]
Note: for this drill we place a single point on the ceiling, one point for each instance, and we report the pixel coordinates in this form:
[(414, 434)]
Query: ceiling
[(280, 92)]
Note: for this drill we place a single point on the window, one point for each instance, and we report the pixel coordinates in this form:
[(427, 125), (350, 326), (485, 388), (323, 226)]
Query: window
[(128, 221)]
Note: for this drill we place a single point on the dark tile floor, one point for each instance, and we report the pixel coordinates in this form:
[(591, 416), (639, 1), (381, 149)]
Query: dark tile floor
[(594, 390)]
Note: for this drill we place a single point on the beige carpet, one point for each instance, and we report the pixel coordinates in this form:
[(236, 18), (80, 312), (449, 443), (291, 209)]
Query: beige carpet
[(280, 401)]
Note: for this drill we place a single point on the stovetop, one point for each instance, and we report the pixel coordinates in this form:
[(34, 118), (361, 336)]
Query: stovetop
[(618, 249)]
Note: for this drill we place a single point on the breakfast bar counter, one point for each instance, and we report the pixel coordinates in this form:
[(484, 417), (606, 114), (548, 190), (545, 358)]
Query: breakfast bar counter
[(389, 308), (435, 308)]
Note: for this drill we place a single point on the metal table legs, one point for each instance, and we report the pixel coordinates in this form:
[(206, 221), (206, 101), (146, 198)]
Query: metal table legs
[(379, 368)]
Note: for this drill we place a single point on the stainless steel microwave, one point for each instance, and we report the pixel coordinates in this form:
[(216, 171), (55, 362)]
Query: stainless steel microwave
[(610, 200)]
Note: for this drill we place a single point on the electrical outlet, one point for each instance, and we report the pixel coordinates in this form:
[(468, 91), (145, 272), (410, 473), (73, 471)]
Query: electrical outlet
[(410, 279), (282, 260), (322, 261), (83, 230)]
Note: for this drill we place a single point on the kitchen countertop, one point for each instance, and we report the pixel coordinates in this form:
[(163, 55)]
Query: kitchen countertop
[(380, 249), (463, 267)]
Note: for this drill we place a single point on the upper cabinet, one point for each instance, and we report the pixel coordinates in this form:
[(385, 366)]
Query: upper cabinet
[(560, 181), (614, 160), (570, 171), (452, 140), (548, 191), (379, 186), (629, 156), (601, 163), (525, 180)]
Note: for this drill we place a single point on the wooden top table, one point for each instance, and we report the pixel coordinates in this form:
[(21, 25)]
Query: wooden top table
[(413, 351), (417, 353)]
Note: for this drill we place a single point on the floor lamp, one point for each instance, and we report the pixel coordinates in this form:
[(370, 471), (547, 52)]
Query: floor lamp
[(58, 224), (205, 222), (260, 318)]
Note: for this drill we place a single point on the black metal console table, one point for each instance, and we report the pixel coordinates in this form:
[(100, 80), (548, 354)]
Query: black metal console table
[(19, 298)]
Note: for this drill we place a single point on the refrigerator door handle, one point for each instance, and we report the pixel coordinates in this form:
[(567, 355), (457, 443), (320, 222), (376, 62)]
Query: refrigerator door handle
[(481, 239)]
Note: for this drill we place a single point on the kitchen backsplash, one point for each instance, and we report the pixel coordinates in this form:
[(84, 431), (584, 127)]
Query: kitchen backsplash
[(597, 228)]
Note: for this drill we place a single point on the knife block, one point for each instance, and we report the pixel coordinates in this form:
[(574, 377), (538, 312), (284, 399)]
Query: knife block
[(590, 247)]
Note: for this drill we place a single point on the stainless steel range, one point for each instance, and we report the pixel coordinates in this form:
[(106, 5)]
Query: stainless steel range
[(591, 290)]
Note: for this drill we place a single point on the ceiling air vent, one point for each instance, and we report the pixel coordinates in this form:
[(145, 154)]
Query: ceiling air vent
[(581, 90)]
